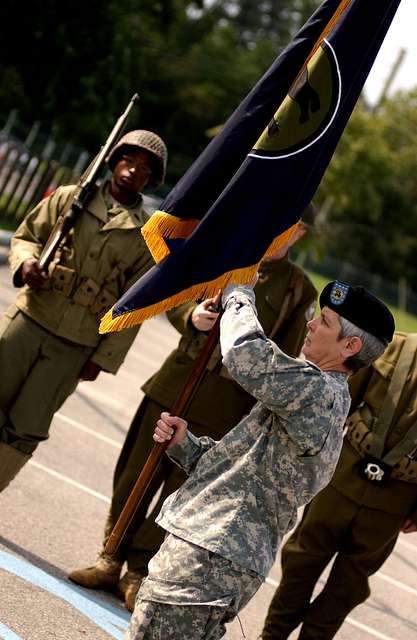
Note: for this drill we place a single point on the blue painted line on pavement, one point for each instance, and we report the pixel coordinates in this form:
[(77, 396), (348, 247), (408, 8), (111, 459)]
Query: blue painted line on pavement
[(8, 634), (105, 616)]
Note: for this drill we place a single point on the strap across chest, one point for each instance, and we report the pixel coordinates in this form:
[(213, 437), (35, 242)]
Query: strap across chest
[(382, 424)]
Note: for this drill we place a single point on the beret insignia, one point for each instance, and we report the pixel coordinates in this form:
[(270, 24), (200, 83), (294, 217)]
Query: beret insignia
[(339, 292)]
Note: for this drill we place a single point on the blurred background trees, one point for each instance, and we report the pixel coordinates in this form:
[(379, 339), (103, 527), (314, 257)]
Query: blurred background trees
[(74, 65), (371, 188)]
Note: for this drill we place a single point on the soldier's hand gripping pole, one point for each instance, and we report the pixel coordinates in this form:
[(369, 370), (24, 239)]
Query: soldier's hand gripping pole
[(85, 190), (151, 465)]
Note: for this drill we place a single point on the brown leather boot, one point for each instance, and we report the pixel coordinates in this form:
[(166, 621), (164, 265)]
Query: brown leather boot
[(105, 574), (128, 588)]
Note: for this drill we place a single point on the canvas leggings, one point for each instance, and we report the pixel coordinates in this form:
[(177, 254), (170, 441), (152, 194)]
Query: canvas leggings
[(38, 372), (189, 593), (360, 538)]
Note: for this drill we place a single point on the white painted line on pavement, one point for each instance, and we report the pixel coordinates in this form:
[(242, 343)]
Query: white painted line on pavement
[(379, 574), (104, 615), (91, 432), (8, 634), (396, 583), (73, 483), (370, 630), (373, 632)]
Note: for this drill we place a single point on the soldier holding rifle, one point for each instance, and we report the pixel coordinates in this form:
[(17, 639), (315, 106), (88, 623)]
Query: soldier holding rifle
[(226, 522), (49, 336)]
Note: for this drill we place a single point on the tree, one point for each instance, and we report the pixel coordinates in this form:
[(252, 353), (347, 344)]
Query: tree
[(273, 20), (373, 187), (191, 63)]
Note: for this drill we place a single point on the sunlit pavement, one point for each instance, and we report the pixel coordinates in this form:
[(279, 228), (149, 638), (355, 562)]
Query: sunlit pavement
[(52, 519)]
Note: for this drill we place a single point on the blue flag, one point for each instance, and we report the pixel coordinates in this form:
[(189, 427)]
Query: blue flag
[(242, 198)]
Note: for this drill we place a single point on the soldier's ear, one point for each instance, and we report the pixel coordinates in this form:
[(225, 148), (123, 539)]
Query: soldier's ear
[(352, 346)]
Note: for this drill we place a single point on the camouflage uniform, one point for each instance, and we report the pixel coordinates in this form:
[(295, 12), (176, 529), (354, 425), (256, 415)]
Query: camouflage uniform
[(285, 300), (244, 490), (48, 334), (201, 577), (354, 520)]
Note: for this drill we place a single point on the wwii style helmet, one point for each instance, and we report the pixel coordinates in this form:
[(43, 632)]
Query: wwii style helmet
[(148, 141)]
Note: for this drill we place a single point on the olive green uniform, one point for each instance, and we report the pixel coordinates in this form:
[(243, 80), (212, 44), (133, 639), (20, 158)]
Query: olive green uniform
[(356, 518), (48, 334), (285, 299)]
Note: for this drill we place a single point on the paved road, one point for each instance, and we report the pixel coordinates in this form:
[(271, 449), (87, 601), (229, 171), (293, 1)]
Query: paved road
[(52, 519)]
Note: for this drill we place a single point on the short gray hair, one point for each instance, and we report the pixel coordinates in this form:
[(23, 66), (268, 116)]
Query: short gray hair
[(371, 349)]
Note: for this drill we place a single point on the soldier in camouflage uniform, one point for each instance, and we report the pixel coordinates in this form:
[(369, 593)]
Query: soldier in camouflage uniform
[(359, 515), (49, 336), (227, 520), (285, 301)]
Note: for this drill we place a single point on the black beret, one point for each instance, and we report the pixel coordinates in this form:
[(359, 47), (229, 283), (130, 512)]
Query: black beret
[(360, 307)]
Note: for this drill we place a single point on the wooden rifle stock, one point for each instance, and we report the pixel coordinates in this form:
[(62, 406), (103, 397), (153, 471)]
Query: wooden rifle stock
[(151, 465)]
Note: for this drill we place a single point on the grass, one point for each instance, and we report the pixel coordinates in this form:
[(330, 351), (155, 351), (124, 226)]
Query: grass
[(403, 321)]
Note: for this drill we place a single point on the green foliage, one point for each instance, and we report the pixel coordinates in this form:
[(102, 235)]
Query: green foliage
[(372, 186), (74, 65)]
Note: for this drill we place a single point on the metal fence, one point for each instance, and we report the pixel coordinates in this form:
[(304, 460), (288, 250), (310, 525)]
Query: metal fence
[(32, 165)]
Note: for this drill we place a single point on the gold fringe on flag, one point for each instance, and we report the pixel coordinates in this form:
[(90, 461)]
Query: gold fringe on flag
[(163, 225), (202, 290)]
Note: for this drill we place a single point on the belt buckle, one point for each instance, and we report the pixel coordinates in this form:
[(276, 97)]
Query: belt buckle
[(374, 471)]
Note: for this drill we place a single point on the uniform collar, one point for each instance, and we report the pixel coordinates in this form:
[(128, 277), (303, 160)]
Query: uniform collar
[(115, 215)]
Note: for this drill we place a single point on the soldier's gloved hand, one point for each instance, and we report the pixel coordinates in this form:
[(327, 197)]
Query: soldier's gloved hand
[(170, 428), (89, 371), (32, 274), (203, 318)]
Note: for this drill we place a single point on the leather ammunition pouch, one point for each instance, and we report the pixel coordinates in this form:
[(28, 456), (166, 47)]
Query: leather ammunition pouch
[(62, 279), (104, 300), (88, 293), (358, 434), (360, 437)]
